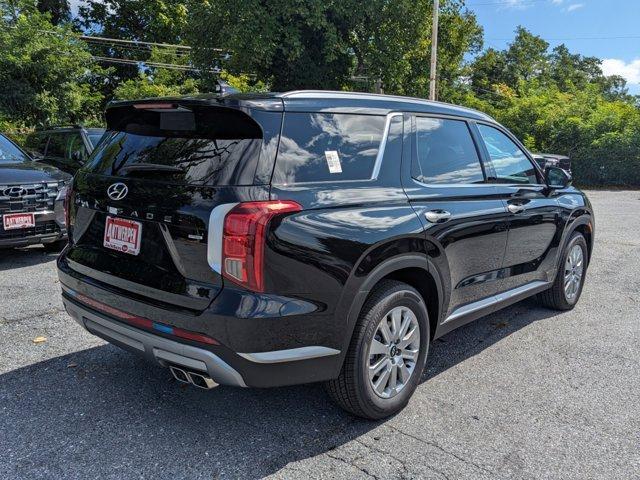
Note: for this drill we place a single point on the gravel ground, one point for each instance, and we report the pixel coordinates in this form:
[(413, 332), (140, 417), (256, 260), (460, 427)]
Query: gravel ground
[(524, 393)]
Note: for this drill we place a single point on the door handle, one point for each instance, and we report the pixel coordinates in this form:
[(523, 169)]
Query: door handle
[(437, 216), (515, 208)]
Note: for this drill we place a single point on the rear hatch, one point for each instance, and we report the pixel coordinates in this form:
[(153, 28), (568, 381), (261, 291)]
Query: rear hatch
[(141, 208)]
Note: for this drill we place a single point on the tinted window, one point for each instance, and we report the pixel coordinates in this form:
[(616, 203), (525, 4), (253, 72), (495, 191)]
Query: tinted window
[(9, 153), (445, 153), (76, 152), (37, 143), (206, 146), (318, 147), (94, 138), (509, 161), (57, 147)]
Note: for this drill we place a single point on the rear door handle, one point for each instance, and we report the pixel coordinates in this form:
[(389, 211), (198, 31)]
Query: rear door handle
[(437, 216), (515, 208)]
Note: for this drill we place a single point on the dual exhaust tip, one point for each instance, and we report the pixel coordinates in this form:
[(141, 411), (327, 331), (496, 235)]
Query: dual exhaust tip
[(194, 378)]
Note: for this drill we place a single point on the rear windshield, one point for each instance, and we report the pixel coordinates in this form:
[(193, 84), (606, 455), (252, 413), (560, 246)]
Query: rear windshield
[(200, 146), (320, 147)]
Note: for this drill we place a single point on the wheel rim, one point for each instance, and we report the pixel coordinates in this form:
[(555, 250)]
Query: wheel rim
[(573, 270), (393, 352)]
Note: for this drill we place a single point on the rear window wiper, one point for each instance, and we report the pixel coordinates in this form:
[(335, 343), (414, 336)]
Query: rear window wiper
[(151, 167)]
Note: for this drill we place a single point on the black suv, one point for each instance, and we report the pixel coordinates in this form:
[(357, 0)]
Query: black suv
[(277, 239), (66, 148), (31, 200)]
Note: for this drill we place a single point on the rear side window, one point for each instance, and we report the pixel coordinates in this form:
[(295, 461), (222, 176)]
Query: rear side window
[(320, 147), (200, 146), (509, 161), (446, 153)]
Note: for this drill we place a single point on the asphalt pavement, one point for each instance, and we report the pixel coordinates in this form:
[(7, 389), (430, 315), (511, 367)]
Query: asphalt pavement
[(526, 393)]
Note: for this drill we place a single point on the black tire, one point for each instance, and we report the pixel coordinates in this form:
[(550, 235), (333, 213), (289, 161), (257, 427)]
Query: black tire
[(54, 247), (555, 297), (352, 390)]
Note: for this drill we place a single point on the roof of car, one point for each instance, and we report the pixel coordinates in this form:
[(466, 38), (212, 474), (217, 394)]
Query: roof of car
[(324, 101)]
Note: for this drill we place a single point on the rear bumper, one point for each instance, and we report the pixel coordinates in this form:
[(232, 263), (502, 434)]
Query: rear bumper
[(257, 351), (50, 227), (154, 348)]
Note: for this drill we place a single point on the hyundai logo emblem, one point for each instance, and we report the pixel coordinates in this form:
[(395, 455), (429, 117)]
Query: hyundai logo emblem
[(14, 192), (117, 191)]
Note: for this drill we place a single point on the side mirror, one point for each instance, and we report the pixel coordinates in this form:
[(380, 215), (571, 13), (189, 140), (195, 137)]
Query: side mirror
[(557, 178)]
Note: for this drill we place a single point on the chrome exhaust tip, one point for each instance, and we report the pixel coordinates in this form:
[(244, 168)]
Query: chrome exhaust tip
[(179, 374), (201, 381)]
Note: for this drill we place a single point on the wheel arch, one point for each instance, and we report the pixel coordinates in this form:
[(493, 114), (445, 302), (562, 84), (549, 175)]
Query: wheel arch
[(414, 269)]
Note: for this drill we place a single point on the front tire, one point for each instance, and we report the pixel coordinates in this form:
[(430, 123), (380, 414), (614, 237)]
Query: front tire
[(387, 354), (567, 287)]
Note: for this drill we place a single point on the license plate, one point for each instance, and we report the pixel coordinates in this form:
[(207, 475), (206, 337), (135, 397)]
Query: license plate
[(15, 221), (122, 235)]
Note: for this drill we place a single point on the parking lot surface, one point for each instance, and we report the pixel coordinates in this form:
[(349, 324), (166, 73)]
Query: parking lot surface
[(524, 393)]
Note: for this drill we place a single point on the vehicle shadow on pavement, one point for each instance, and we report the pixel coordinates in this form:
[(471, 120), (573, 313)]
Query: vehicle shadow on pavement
[(105, 413), (24, 257)]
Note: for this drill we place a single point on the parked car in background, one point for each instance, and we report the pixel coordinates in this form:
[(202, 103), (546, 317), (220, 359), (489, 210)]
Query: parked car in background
[(31, 200), (545, 160), (276, 239), (66, 148)]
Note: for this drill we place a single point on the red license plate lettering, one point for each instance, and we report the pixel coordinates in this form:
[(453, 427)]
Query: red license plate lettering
[(15, 221), (122, 235)]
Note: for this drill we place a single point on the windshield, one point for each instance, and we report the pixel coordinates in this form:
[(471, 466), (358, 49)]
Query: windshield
[(9, 153), (202, 147)]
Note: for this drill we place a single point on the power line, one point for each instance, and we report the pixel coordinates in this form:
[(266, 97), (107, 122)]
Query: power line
[(170, 66)]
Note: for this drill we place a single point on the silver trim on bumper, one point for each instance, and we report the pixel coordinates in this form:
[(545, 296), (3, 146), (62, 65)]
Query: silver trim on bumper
[(290, 355), (158, 349)]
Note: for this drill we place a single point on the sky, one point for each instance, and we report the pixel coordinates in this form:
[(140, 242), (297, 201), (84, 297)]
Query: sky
[(607, 29)]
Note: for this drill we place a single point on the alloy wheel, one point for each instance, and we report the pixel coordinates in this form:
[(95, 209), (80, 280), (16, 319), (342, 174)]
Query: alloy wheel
[(573, 270), (393, 352)]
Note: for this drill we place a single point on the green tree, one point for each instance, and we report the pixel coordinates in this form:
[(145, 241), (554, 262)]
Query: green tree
[(58, 9), (44, 71), (322, 44)]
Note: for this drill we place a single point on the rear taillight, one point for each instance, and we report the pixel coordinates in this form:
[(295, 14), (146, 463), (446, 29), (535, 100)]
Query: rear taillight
[(243, 240)]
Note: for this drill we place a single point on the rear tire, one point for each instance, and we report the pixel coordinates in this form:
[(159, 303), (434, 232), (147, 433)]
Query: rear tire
[(367, 385), (54, 247), (567, 287)]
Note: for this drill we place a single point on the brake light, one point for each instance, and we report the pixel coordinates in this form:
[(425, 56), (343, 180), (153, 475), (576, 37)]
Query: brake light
[(243, 240)]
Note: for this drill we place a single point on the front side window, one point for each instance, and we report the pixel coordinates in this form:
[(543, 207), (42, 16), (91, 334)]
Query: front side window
[(510, 163), (446, 153), (76, 151), (320, 147)]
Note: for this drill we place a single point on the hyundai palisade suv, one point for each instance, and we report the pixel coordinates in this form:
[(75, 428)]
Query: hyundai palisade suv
[(31, 200), (278, 239)]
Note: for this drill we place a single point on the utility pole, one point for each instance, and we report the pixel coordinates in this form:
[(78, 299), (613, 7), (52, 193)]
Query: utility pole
[(434, 51)]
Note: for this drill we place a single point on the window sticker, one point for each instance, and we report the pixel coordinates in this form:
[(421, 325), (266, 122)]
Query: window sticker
[(333, 161)]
